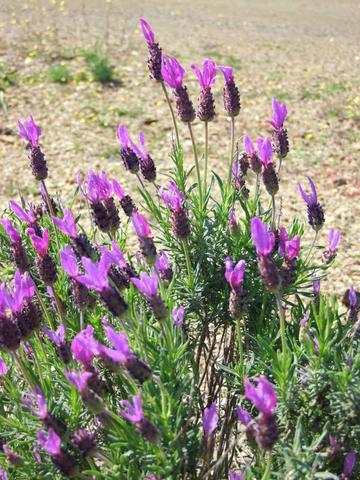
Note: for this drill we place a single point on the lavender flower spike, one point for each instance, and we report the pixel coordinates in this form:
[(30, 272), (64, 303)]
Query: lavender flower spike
[(231, 92), (155, 53), (173, 74), (253, 158), (61, 458), (333, 241), (270, 178), (349, 465), (178, 314), (60, 343), (263, 396), (29, 131), (315, 211), (210, 419), (147, 165), (236, 476), (66, 224), (3, 368), (263, 239), (206, 77), (134, 413), (143, 231), (148, 286), (279, 114), (129, 157), (18, 251)]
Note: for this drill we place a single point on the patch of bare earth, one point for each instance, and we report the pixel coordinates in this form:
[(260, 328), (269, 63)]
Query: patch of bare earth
[(303, 52)]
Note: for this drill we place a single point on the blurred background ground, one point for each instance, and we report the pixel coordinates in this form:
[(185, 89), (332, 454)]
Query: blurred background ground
[(303, 52)]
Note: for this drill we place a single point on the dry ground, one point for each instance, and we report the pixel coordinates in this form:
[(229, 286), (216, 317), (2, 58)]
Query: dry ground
[(302, 51)]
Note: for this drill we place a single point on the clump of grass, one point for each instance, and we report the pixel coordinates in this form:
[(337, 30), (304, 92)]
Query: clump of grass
[(59, 73), (7, 77), (99, 65)]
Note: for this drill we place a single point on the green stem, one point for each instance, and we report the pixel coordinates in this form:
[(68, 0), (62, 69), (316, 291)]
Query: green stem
[(196, 164), (59, 309), (268, 468), (172, 113), (311, 247), (23, 369), (38, 366), (51, 210), (206, 154), (273, 212), (232, 142), (282, 321), (44, 309), (187, 257), (240, 342)]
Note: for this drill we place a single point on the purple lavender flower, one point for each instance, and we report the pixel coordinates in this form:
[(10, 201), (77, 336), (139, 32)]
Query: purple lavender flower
[(147, 31), (148, 286), (270, 178), (349, 465), (114, 256), (334, 239), (315, 211), (231, 92), (316, 287), (18, 251), (66, 224), (119, 341), (11, 231), (62, 459), (134, 413), (265, 150), (29, 131), (69, 262), (243, 415), (36, 403), (253, 158), (279, 114), (174, 199), (210, 419), (147, 165), (280, 137), (172, 71), (3, 475), (263, 396), (141, 225), (99, 191), (58, 339), (236, 476), (129, 157), (40, 244), (206, 77), (173, 74), (232, 222), (3, 368), (79, 380), (234, 274), (126, 202), (178, 315), (163, 267), (96, 274), (263, 239), (85, 347), (352, 298), (155, 53), (28, 217), (287, 247)]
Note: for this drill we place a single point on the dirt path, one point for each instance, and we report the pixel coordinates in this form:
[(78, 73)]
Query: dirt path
[(303, 52)]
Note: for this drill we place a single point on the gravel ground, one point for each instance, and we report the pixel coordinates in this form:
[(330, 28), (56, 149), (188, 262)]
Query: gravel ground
[(303, 52)]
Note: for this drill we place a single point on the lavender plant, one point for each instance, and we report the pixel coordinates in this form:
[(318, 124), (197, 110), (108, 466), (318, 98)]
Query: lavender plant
[(208, 353)]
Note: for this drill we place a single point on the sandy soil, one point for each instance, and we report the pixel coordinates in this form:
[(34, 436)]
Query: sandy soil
[(303, 52)]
